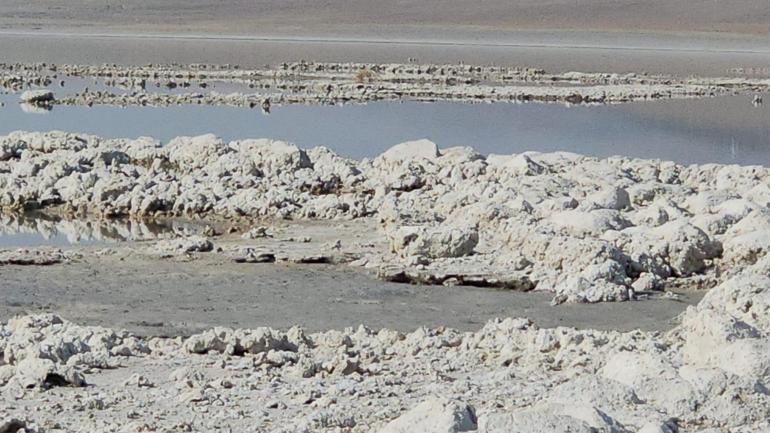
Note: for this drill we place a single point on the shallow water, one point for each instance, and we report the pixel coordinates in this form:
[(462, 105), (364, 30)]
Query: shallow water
[(36, 230), (36, 239), (722, 130)]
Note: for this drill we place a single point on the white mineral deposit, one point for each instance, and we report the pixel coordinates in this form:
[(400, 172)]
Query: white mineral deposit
[(384, 217)]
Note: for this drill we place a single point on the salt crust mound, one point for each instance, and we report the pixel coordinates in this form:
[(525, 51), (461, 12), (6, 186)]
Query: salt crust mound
[(709, 374), (344, 83), (587, 229)]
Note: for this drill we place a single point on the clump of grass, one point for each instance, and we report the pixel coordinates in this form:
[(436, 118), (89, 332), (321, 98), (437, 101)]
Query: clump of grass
[(364, 75)]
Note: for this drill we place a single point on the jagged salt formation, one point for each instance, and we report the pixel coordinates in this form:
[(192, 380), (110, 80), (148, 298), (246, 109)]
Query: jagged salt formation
[(43, 351), (709, 374), (585, 228)]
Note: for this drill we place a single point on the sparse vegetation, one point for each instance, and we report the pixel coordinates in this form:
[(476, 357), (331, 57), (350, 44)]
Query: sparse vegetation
[(364, 75)]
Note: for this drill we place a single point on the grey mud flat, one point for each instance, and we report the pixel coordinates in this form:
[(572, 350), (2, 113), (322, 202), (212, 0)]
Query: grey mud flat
[(680, 37), (432, 18), (171, 297), (598, 52)]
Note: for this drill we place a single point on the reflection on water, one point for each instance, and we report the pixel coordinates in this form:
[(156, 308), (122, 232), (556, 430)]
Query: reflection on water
[(726, 129), (35, 108), (33, 230)]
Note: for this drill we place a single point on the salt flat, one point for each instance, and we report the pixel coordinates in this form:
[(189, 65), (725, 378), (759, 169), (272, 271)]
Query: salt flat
[(601, 52), (618, 245), (704, 37), (428, 18), (180, 298)]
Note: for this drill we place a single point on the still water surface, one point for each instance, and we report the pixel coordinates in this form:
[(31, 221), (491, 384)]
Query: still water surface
[(36, 230), (723, 130)]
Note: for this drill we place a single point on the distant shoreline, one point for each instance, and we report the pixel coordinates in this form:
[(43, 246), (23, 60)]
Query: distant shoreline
[(697, 42), (588, 52)]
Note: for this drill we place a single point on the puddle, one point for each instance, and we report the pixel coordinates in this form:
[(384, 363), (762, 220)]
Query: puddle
[(37, 230), (725, 129)]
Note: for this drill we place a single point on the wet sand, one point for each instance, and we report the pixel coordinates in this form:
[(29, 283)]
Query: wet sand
[(169, 297)]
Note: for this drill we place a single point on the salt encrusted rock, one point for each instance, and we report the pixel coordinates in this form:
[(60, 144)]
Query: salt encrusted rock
[(595, 391), (37, 96), (435, 415), (674, 248), (580, 223), (647, 282), (521, 164), (433, 242), (33, 372), (604, 281), (654, 215), (551, 418), (42, 351), (196, 152), (729, 328), (6, 374), (653, 427), (256, 233), (688, 247), (252, 255), (410, 150), (608, 198), (716, 340), (175, 247), (238, 342), (654, 379), (11, 148), (44, 373), (273, 157), (34, 257), (140, 381), (745, 296), (746, 247), (12, 425)]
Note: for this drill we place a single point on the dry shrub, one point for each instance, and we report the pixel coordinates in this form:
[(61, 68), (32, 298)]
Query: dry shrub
[(364, 75)]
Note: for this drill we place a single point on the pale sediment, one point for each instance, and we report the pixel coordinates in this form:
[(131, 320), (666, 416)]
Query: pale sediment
[(587, 229)]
